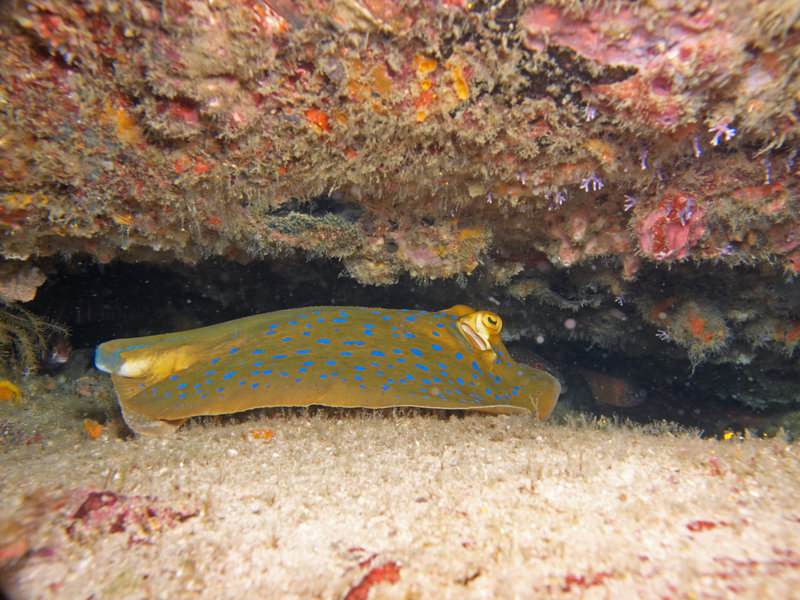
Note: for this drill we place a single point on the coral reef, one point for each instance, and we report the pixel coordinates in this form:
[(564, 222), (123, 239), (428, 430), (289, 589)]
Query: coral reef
[(664, 132)]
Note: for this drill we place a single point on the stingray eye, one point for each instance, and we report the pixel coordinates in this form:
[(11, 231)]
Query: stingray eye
[(491, 321)]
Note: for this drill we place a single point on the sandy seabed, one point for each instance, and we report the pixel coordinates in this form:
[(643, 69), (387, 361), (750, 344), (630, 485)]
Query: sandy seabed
[(394, 504)]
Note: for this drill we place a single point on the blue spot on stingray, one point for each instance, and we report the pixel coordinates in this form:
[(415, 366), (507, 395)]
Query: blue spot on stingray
[(256, 364), (268, 371), (390, 380), (367, 332), (369, 325), (344, 314), (381, 373), (338, 320), (488, 391), (359, 377), (286, 339), (197, 385), (435, 333), (323, 376), (290, 323), (268, 332), (359, 368), (308, 363), (277, 356), (320, 320), (173, 378), (257, 352), (409, 335), (397, 351), (410, 319), (427, 381), (401, 360), (416, 352), (345, 353), (436, 347), (409, 376), (220, 389), (323, 341), (214, 361), (377, 353), (242, 382), (233, 351), (229, 374), (461, 381), (303, 351), (330, 362), (363, 387), (306, 333), (353, 343), (439, 324), (384, 387), (255, 372), (181, 386), (302, 370), (442, 366), (254, 386), (298, 380), (421, 367), (386, 318)]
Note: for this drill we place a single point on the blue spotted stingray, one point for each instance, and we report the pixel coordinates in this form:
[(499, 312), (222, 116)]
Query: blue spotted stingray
[(333, 356)]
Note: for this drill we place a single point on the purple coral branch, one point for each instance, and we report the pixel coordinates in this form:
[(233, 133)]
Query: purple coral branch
[(593, 181), (721, 129), (630, 202)]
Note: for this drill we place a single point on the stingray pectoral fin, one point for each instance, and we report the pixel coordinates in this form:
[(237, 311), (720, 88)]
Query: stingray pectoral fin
[(147, 426), (543, 395), (502, 410), (459, 310)]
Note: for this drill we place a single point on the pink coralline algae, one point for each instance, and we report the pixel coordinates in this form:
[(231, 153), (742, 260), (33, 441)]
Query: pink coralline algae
[(19, 282), (671, 228), (659, 91), (104, 512)]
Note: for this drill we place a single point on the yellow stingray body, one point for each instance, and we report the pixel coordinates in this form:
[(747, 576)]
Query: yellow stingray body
[(333, 356)]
